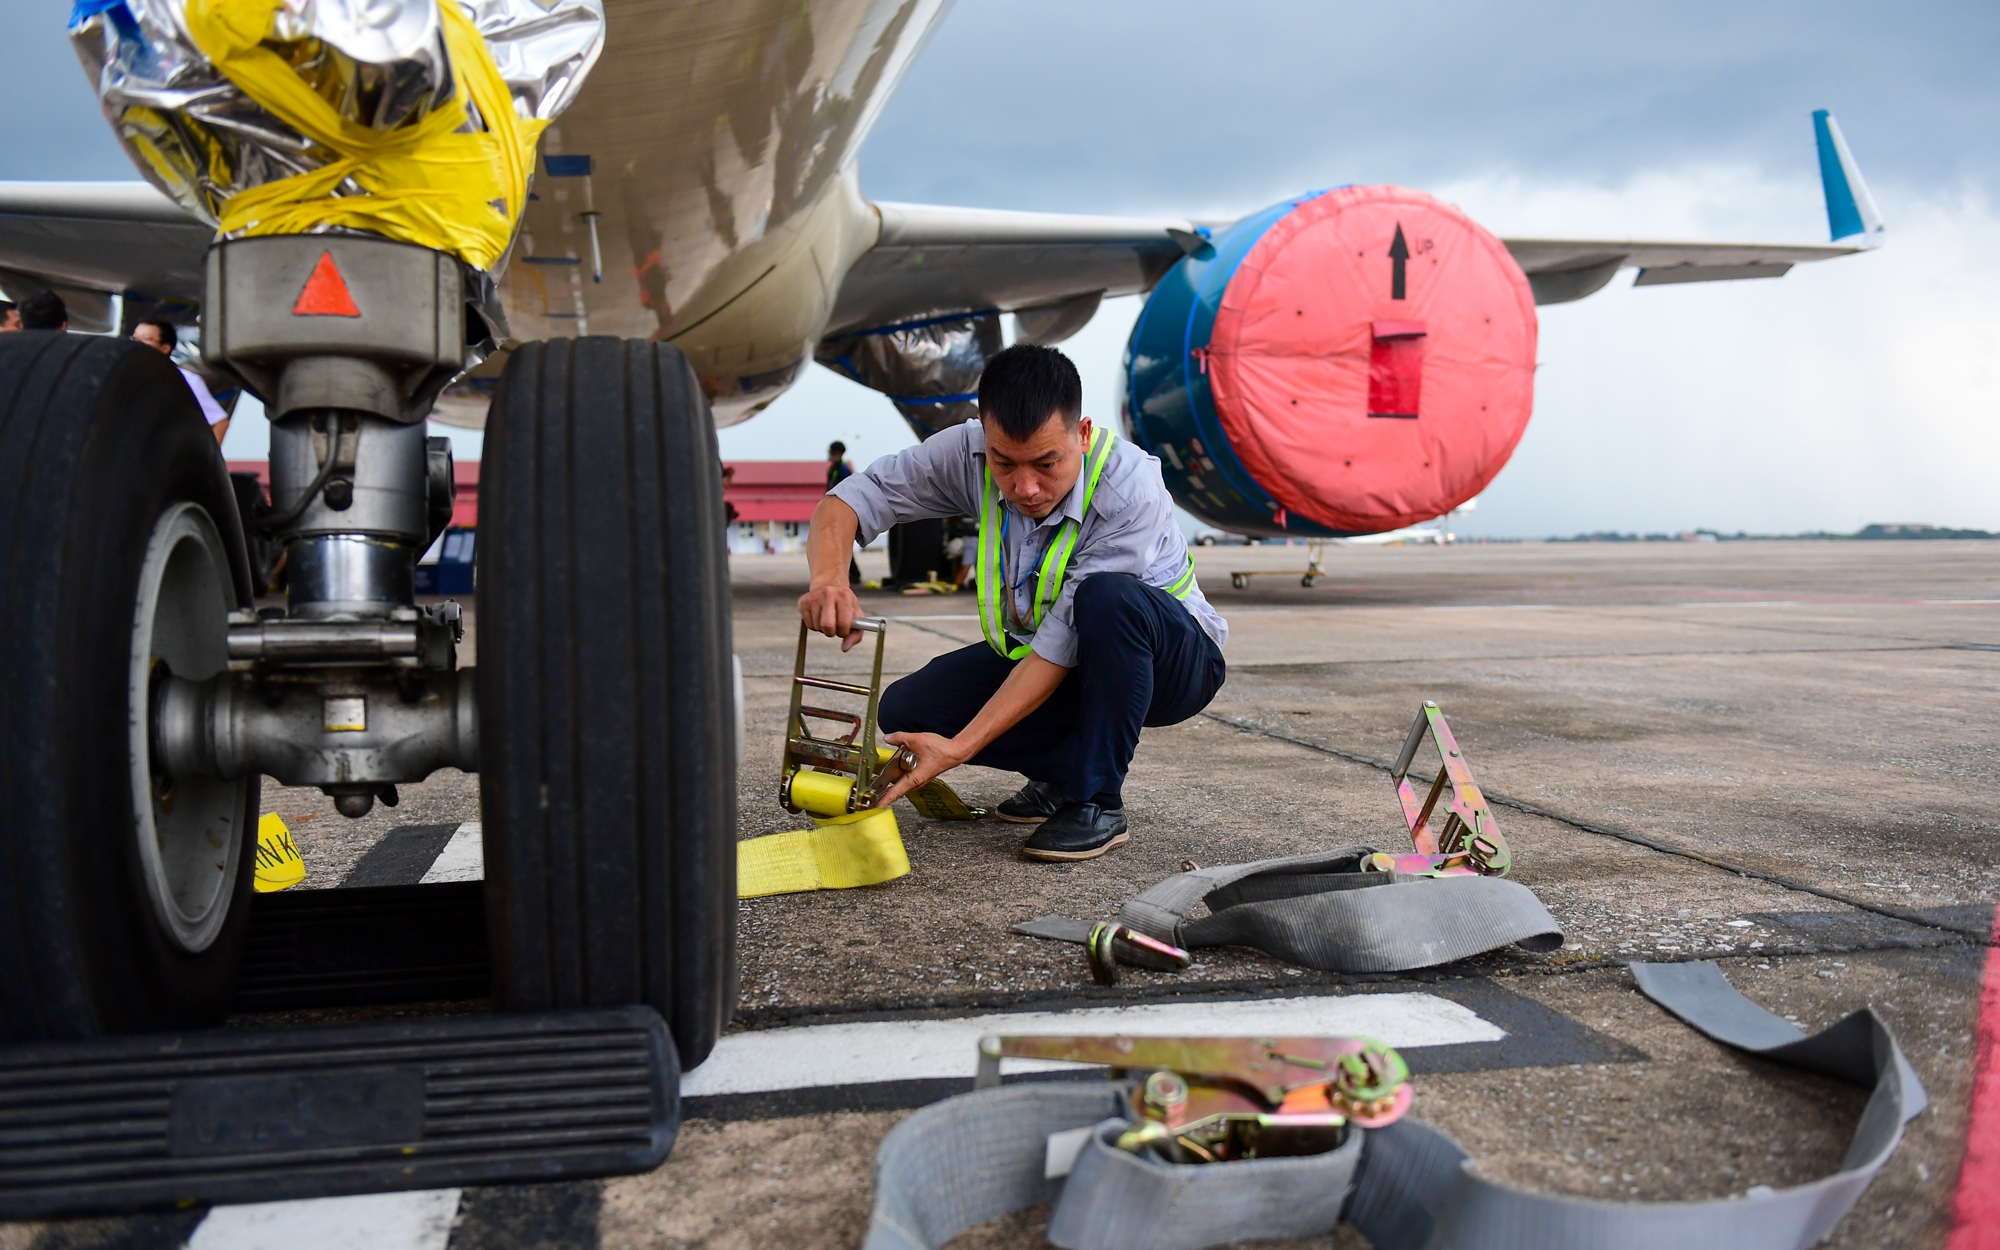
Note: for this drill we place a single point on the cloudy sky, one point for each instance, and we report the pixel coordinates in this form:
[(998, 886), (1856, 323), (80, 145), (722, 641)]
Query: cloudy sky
[(1852, 391), (1864, 389)]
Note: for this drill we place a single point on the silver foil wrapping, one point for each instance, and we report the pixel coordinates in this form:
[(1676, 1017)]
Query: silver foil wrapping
[(200, 139), (929, 369)]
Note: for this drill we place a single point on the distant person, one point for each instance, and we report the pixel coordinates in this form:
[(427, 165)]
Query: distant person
[(160, 335), (838, 467), (838, 470), (10, 316), (43, 312), (729, 509)]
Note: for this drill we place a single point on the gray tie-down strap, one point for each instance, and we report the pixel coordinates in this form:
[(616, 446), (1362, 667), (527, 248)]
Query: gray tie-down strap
[(1406, 1187), (1321, 911)]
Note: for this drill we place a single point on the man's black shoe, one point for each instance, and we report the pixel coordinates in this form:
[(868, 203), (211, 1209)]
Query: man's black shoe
[(1032, 804), (1078, 831)]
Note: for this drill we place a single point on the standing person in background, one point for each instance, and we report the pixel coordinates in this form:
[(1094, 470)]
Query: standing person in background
[(160, 335), (43, 312), (10, 316), (838, 470)]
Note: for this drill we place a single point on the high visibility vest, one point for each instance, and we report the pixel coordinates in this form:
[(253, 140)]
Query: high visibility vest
[(993, 586)]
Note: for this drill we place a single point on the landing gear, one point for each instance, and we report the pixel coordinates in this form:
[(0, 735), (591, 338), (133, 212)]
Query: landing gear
[(142, 697), (123, 886), (606, 693), (1315, 553)]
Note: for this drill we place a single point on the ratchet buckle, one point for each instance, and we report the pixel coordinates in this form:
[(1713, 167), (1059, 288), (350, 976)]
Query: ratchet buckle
[(1468, 842), (874, 769), (1219, 1099)]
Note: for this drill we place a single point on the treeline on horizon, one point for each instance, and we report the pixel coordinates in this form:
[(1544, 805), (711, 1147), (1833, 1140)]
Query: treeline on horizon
[(1878, 531)]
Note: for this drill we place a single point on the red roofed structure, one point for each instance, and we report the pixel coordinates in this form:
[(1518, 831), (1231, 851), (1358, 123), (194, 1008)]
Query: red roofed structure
[(775, 490), (774, 501)]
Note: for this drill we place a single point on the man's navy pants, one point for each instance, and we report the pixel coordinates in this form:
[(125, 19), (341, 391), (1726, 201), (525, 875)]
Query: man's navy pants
[(1141, 660)]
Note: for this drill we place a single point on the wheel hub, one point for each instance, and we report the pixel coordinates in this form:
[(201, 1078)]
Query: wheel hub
[(189, 828)]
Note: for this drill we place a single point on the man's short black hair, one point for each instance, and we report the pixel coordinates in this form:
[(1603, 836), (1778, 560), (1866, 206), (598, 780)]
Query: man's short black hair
[(44, 312), (836, 450), (169, 337), (1025, 384)]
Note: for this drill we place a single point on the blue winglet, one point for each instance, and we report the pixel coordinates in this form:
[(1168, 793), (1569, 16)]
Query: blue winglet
[(1850, 210)]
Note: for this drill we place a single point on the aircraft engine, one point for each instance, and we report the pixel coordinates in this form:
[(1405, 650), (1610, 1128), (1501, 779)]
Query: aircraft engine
[(1348, 362)]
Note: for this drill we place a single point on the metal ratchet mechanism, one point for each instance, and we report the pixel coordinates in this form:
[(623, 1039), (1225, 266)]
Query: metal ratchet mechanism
[(1219, 1099), (839, 775), (1468, 843)]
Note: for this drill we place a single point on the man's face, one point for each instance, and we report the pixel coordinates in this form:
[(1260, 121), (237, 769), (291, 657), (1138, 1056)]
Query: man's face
[(150, 336), (10, 320), (1036, 473)]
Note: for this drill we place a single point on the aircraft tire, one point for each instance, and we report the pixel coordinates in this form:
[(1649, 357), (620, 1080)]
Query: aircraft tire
[(124, 897), (606, 719)]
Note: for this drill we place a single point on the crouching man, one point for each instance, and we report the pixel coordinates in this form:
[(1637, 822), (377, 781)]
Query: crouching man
[(1094, 624)]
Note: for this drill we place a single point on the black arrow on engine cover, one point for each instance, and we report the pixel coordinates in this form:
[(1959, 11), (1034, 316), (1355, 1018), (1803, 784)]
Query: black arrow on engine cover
[(1399, 256)]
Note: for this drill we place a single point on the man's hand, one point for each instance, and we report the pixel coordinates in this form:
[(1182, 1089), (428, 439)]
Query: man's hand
[(830, 606), (935, 755), (831, 610)]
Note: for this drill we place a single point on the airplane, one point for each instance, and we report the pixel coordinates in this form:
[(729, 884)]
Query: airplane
[(699, 202), (703, 190)]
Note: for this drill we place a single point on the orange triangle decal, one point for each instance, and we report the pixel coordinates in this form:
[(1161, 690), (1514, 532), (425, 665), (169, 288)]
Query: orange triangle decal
[(325, 293)]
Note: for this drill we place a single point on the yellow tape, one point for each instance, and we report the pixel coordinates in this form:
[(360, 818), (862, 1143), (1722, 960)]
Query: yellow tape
[(426, 183), (843, 852), (278, 864)]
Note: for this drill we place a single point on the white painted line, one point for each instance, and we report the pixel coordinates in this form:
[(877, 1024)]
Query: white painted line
[(462, 859), (899, 1050), (1741, 603), (1954, 603), (416, 1220), (973, 617), (1492, 607)]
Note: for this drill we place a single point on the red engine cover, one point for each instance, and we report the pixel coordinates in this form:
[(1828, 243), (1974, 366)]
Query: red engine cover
[(1373, 358)]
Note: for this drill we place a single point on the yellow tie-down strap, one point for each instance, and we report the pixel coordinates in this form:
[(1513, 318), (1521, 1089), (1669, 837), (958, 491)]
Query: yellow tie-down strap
[(437, 183), (842, 852)]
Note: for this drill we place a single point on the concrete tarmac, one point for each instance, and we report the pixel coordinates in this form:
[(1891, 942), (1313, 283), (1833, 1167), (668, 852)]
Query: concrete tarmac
[(1780, 756)]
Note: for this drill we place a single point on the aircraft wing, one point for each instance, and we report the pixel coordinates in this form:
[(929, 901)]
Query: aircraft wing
[(1561, 270), (932, 260), (936, 260), (88, 240)]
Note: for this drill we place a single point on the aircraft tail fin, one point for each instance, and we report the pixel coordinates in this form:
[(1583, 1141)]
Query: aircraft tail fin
[(1850, 210)]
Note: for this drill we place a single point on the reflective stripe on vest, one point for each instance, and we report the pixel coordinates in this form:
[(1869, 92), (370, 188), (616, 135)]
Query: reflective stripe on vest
[(1055, 561)]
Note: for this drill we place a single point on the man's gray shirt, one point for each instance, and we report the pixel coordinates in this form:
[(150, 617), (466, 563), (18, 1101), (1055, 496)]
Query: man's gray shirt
[(1130, 528)]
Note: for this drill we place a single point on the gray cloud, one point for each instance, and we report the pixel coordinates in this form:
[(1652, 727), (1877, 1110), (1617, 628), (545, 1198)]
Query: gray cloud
[(1153, 104)]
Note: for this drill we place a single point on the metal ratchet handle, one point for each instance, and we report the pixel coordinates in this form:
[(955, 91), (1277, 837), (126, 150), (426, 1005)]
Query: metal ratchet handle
[(870, 624)]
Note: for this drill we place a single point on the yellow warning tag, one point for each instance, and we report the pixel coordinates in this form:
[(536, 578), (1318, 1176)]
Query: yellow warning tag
[(278, 864)]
